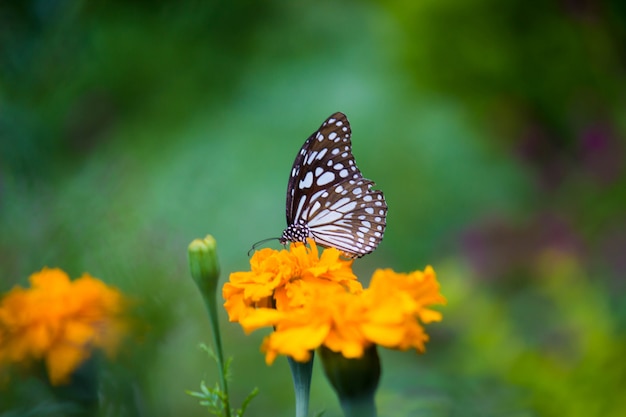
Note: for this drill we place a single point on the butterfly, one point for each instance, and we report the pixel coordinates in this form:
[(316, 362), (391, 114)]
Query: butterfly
[(328, 199)]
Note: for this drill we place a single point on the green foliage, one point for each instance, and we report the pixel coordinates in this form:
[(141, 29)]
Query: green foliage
[(216, 402), (538, 349), (214, 399), (227, 363)]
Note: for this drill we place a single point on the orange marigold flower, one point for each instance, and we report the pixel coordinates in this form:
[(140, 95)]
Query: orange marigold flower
[(397, 303), (59, 321), (279, 281), (389, 313), (312, 301)]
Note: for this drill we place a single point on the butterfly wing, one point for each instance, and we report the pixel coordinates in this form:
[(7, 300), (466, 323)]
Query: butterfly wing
[(311, 172), (353, 222), (328, 194)]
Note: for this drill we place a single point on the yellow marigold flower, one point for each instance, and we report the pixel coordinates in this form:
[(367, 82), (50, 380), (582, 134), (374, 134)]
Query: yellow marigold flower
[(312, 301), (389, 313), (395, 302), (280, 281), (59, 321)]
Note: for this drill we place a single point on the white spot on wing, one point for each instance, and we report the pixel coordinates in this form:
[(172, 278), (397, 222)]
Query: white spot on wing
[(321, 153), (340, 203), (325, 217), (348, 207), (326, 178), (300, 205), (307, 181), (316, 206)]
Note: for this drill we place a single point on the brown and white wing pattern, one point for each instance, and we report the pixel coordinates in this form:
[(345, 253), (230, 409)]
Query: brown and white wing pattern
[(328, 199)]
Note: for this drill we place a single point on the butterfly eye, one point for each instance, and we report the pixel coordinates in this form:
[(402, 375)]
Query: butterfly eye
[(328, 199)]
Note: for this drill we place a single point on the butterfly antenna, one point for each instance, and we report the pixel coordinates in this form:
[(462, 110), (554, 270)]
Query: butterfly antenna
[(260, 242)]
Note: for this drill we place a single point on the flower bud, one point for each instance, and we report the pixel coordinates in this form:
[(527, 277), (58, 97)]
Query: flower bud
[(205, 271), (354, 380), (203, 264)]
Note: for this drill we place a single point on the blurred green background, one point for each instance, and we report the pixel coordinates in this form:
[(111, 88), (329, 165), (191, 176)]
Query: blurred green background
[(494, 128)]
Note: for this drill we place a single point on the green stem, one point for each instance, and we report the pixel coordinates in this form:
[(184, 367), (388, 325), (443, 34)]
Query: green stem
[(205, 271), (209, 301), (301, 374)]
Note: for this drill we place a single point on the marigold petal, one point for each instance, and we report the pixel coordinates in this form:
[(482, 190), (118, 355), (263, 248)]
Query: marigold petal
[(428, 316), (296, 342), (383, 334), (260, 317), (38, 338), (235, 306), (79, 333), (350, 347), (53, 279), (62, 360)]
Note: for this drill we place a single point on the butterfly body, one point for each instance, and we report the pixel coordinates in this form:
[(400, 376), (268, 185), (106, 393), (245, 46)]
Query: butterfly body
[(328, 199)]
